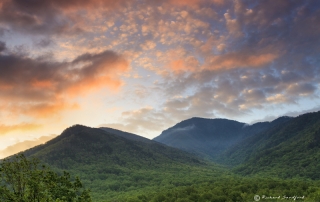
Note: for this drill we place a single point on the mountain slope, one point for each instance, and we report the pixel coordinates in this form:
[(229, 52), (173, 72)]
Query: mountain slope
[(210, 137), (288, 150), (82, 144), (118, 168), (110, 164), (126, 135)]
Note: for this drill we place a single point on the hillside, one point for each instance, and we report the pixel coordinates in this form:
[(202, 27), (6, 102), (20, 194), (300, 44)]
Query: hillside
[(81, 143), (126, 135), (288, 150), (210, 137), (120, 166), (110, 164), (285, 148)]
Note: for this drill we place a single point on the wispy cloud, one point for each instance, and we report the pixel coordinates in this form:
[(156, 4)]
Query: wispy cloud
[(21, 146), (4, 129)]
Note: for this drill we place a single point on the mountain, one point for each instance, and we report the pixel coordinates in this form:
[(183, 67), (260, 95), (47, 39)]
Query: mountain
[(97, 143), (210, 137), (120, 166), (284, 148), (291, 149), (110, 164), (126, 135)]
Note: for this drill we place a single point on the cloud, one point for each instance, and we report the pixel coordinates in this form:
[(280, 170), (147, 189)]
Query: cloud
[(181, 129), (260, 63), (148, 45), (51, 17), (297, 113), (47, 109), (2, 46), (210, 58), (233, 26), (233, 93), (301, 89), (43, 43), (278, 99), (4, 129), (21, 146), (150, 122), (37, 78), (183, 65), (40, 87), (194, 3), (238, 60), (143, 121), (289, 114)]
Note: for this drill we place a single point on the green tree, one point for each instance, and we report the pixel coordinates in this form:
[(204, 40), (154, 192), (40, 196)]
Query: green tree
[(24, 180)]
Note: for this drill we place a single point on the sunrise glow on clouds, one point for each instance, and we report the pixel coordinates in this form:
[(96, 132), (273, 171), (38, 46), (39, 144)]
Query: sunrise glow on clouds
[(142, 66)]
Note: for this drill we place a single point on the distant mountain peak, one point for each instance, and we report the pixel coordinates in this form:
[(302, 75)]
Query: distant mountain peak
[(78, 126), (210, 137), (75, 129)]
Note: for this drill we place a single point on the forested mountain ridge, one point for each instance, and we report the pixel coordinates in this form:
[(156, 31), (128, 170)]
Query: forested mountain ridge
[(287, 150), (210, 137), (94, 142), (108, 163), (120, 166), (126, 135)]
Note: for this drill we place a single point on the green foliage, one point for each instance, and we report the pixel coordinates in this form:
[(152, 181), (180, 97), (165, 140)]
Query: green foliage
[(23, 181), (118, 168), (114, 167), (289, 150), (238, 189)]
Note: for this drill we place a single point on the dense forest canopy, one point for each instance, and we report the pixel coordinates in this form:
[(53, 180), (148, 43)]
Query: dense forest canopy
[(24, 180)]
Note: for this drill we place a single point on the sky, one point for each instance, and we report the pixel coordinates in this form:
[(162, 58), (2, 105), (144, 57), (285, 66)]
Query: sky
[(144, 65)]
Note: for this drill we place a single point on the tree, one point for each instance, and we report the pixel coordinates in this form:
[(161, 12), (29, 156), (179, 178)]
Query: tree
[(24, 180)]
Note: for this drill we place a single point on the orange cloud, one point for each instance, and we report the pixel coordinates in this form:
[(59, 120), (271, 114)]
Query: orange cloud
[(4, 129), (42, 84), (177, 65), (94, 84), (180, 62), (233, 26), (188, 64), (104, 73), (185, 2), (236, 60), (48, 109), (195, 3), (21, 146), (76, 4), (41, 88)]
